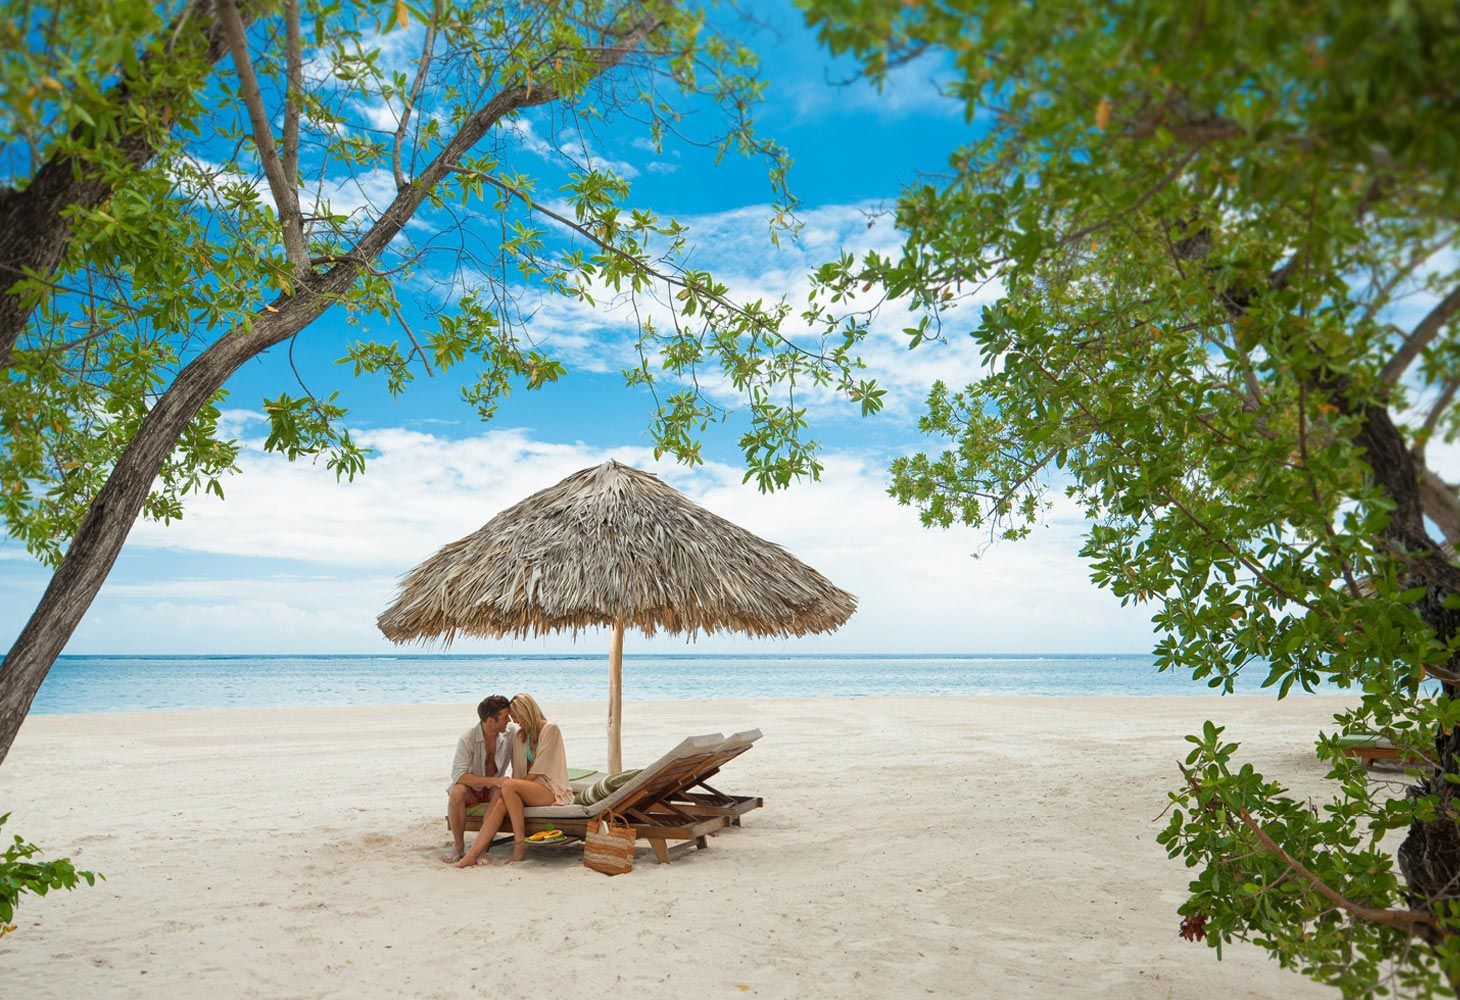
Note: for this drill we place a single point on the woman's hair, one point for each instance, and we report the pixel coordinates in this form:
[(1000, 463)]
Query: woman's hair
[(529, 715)]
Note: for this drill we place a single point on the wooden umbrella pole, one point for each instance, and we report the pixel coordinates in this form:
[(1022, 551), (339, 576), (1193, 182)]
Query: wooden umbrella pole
[(615, 698)]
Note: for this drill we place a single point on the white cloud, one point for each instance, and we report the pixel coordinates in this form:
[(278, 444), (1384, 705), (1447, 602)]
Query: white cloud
[(419, 492), (397, 51), (567, 146), (919, 590), (1444, 459), (1414, 299), (379, 115), (735, 246), (919, 87), (369, 191)]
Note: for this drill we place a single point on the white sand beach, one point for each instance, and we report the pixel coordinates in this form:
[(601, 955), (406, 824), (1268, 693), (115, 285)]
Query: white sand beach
[(954, 847)]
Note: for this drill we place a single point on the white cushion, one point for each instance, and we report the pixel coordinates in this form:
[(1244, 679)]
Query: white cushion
[(569, 811)]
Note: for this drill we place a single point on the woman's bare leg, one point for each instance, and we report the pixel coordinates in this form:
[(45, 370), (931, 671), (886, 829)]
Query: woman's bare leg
[(491, 823), (516, 794)]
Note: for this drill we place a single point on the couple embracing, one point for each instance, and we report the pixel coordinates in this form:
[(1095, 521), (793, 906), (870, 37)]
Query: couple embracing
[(508, 733)]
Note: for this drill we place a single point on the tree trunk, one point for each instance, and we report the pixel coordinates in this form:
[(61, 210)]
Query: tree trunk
[(1440, 503), (1429, 857), (110, 518)]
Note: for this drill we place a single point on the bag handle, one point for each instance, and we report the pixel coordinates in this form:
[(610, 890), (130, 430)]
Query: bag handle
[(611, 820), (606, 822)]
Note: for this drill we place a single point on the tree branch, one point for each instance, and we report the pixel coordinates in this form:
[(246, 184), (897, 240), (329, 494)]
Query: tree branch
[(415, 94), (416, 343), (399, 212), (1440, 503), (286, 196), (1427, 330), (1422, 437), (1334, 547), (664, 276), (295, 61), (1160, 185), (1381, 293), (1439, 499), (1414, 922)]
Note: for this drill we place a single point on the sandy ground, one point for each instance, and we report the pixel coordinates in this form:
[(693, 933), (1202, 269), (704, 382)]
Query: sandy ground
[(949, 847)]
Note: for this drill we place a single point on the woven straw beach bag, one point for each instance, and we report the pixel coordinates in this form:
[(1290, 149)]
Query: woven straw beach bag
[(608, 846)]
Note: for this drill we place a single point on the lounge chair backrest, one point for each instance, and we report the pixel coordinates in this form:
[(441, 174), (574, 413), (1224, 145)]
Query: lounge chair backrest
[(694, 746), (673, 776), (733, 747), (744, 739)]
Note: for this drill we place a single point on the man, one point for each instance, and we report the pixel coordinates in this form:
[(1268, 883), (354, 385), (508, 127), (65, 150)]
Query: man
[(474, 769)]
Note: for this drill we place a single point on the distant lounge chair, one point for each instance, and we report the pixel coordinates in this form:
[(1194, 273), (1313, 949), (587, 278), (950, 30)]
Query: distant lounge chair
[(669, 800), (1371, 747)]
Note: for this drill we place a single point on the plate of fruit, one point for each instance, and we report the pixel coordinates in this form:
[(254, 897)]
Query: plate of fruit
[(547, 837)]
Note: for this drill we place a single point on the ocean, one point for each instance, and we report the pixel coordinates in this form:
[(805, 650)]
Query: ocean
[(151, 683)]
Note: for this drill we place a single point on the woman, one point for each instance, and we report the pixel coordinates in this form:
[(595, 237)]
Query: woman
[(539, 778)]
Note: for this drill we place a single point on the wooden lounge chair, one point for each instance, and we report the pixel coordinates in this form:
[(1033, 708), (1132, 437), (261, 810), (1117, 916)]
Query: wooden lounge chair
[(670, 800), (1370, 748)]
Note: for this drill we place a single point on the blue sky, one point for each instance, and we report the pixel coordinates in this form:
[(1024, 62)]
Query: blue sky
[(293, 562)]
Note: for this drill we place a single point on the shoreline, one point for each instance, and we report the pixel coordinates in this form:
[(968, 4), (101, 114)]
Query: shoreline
[(576, 705)]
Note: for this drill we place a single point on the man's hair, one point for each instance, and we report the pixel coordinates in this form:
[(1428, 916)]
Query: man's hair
[(490, 706)]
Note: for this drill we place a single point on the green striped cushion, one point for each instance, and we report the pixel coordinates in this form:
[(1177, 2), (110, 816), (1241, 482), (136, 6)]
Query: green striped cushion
[(604, 788), (1364, 740)]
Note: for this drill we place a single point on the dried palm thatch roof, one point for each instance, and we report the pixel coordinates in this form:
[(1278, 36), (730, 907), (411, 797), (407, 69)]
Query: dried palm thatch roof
[(612, 544)]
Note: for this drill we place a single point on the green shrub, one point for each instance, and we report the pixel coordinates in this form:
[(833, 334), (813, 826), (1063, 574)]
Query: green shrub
[(19, 874)]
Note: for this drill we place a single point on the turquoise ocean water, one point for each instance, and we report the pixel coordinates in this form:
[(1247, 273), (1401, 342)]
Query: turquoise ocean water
[(148, 683)]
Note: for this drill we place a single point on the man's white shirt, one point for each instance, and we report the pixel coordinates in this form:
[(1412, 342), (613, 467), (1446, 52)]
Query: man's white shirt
[(471, 753)]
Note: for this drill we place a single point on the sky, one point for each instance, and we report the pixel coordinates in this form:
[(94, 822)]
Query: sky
[(292, 561)]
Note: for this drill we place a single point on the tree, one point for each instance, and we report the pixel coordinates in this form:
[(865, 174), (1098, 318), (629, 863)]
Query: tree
[(1227, 330), (193, 218)]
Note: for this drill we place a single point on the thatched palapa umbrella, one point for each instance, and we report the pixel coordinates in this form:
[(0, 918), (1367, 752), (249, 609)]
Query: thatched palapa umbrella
[(615, 546)]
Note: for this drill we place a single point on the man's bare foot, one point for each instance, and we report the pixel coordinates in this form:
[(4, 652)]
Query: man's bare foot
[(519, 852), (454, 855)]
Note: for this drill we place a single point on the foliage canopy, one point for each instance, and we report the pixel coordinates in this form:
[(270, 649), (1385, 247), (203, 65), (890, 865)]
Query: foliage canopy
[(1227, 330)]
